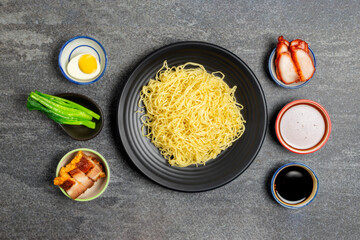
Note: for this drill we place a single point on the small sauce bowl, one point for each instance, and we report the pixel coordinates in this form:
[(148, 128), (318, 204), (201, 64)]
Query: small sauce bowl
[(79, 132), (294, 185), (82, 45), (99, 186), (272, 71), (303, 126)]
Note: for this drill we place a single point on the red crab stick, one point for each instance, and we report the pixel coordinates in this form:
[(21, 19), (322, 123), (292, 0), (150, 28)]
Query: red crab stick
[(282, 46), (303, 63), (293, 62), (298, 43), (286, 69)]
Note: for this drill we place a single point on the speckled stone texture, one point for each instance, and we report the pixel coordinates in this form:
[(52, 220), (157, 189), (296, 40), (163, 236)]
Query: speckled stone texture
[(133, 207)]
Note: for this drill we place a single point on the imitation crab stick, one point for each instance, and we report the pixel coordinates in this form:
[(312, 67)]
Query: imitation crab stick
[(293, 62)]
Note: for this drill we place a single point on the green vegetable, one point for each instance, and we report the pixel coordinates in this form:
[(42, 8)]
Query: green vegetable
[(61, 110), (71, 112), (68, 103)]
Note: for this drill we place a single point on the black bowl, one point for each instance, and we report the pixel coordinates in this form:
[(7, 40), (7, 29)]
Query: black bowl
[(231, 162), (79, 132)]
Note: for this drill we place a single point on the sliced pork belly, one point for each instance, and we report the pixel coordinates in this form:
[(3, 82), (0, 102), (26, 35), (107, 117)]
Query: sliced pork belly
[(73, 177), (303, 63), (80, 176), (286, 69), (73, 188), (67, 184), (84, 164), (95, 173)]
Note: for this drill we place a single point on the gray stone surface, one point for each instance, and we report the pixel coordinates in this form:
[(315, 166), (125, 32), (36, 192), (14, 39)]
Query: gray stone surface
[(133, 207)]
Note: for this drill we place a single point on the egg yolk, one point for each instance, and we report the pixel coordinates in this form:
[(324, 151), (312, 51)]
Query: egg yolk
[(87, 63)]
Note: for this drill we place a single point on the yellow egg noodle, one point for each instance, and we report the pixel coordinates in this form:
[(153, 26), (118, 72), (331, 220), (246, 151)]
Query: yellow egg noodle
[(191, 115)]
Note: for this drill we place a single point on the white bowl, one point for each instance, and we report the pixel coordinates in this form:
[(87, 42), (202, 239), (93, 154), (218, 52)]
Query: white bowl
[(81, 45)]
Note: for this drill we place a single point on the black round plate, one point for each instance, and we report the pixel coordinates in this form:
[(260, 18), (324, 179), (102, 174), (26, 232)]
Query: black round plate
[(231, 162)]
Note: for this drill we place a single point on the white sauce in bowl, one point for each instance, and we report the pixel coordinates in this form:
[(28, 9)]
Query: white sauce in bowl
[(302, 126)]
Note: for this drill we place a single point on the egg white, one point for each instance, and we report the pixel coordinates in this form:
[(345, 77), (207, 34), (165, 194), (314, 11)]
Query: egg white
[(74, 71)]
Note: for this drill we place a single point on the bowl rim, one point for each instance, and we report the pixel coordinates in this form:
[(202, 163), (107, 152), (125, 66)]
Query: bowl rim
[(279, 82), (105, 165), (327, 126), (67, 94), (66, 75), (273, 181)]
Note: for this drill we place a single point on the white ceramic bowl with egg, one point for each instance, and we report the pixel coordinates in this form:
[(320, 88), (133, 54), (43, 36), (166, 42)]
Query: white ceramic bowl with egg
[(82, 60)]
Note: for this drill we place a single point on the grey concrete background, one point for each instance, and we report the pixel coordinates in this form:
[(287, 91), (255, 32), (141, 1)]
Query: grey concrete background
[(133, 207)]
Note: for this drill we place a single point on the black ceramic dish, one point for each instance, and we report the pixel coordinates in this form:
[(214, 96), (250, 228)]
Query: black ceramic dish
[(82, 133), (231, 162)]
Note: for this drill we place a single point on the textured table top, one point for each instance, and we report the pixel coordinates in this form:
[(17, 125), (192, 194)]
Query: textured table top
[(134, 207)]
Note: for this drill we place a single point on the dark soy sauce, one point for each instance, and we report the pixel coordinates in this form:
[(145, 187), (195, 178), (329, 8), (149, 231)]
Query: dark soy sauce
[(293, 184)]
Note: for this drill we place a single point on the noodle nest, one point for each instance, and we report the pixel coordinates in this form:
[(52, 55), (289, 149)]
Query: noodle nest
[(191, 115)]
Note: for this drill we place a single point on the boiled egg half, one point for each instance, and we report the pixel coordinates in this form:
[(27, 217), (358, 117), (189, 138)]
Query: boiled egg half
[(83, 67)]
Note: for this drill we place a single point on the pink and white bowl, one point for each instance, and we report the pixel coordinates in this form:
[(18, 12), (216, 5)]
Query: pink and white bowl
[(303, 126)]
